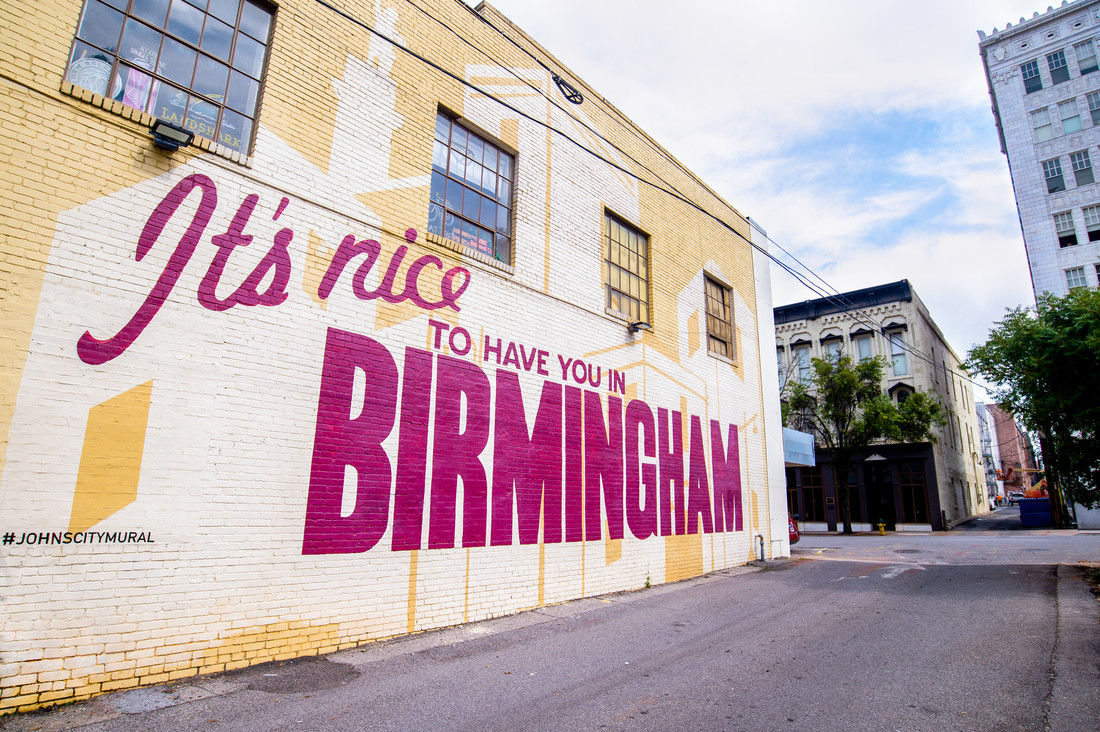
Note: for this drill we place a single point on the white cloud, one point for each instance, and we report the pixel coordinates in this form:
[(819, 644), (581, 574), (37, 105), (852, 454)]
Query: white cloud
[(784, 107)]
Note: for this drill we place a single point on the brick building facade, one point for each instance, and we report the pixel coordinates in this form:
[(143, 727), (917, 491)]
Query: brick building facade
[(418, 330)]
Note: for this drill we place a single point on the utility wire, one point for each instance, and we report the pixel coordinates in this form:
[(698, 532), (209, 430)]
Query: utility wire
[(669, 189)]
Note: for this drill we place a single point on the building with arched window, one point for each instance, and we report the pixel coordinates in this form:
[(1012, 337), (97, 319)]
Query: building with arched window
[(915, 486)]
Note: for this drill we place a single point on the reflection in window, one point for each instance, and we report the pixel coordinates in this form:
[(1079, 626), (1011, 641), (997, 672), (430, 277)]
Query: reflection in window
[(471, 191), (195, 63)]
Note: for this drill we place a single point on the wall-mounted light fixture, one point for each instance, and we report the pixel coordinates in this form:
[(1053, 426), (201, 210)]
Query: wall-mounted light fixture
[(168, 136), (639, 325)]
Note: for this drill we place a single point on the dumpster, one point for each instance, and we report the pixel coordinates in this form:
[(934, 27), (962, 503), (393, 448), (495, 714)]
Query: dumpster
[(1034, 511)]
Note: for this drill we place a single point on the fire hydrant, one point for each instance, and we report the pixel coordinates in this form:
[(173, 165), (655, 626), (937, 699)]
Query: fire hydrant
[(881, 528)]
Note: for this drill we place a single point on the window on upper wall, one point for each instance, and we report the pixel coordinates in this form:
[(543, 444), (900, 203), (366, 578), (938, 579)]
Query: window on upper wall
[(801, 356), (1075, 278), (1082, 167), (1032, 81), (1052, 171), (1071, 117), (627, 269), (781, 360), (197, 64), (1059, 70), (897, 353), (720, 339), (832, 347), (862, 346), (1063, 225), (1092, 221), (1093, 99), (1086, 57), (471, 190), (1040, 121)]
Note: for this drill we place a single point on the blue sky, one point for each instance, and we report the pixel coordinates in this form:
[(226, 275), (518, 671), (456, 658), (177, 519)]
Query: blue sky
[(858, 133)]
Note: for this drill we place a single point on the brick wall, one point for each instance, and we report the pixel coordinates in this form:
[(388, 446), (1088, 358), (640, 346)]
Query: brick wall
[(233, 430)]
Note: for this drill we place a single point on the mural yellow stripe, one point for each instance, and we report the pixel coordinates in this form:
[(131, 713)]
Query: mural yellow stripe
[(114, 442)]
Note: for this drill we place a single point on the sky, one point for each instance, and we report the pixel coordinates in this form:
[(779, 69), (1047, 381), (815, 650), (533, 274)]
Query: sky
[(857, 133)]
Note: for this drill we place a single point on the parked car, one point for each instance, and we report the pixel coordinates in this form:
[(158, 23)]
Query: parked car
[(792, 527), (1013, 497)]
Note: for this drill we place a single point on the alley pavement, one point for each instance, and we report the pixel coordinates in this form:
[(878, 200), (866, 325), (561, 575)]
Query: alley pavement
[(974, 630)]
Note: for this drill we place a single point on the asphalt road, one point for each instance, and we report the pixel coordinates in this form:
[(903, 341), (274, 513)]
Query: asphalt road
[(956, 631)]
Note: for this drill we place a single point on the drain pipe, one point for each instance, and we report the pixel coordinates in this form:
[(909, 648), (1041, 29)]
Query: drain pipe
[(760, 543)]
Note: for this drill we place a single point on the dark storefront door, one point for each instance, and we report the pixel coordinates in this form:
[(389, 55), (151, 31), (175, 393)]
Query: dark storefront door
[(880, 494)]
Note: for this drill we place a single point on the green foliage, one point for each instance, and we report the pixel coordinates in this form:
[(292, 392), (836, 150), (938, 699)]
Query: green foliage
[(845, 408), (1044, 361)]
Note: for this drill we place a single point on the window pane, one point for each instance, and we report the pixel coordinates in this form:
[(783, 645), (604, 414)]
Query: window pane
[(490, 157), (471, 204), (435, 219), (242, 94), (140, 44), (236, 131), (489, 183), (177, 62), (101, 26), (439, 187), (454, 195), (169, 103), (452, 227), (504, 191), (202, 117), (255, 21), (442, 129), (132, 87), (488, 213), (473, 173), (458, 138), (185, 21), (475, 149), (153, 11), (506, 165), (217, 38), (210, 78), (439, 156), (457, 165), (90, 68), (503, 221), (249, 56), (503, 248), (224, 9)]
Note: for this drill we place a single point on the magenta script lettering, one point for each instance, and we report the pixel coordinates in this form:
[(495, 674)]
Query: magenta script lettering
[(275, 268)]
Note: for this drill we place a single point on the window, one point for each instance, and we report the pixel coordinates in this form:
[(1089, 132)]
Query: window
[(801, 356), (1032, 81), (200, 69), (1040, 120), (627, 269), (1086, 57), (1052, 171), (832, 347), (1094, 106), (901, 395), (914, 495), (471, 191), (781, 360), (1097, 268), (897, 353), (1071, 118), (1082, 167), (862, 346), (1059, 71), (1075, 278), (1063, 225), (719, 318), (1092, 221)]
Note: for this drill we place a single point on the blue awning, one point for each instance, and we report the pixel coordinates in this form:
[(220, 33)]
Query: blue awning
[(798, 448)]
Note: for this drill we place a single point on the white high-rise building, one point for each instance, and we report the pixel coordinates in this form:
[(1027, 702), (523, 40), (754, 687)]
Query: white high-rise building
[(1046, 102)]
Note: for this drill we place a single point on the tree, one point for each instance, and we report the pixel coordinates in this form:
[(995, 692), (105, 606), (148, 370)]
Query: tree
[(844, 406), (1044, 361)]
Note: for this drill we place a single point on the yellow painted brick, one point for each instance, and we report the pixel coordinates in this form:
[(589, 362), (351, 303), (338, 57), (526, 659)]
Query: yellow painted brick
[(87, 690), (154, 679), (50, 696), (182, 673), (120, 684)]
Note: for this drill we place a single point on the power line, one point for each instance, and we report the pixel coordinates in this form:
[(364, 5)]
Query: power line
[(669, 189)]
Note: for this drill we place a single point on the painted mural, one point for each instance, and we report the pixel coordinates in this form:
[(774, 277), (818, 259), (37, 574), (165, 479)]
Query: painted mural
[(264, 413)]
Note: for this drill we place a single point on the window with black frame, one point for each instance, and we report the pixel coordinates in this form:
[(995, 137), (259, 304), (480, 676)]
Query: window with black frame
[(196, 63), (471, 190)]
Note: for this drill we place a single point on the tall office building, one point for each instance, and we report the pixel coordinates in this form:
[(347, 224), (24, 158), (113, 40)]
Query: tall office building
[(1046, 103)]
